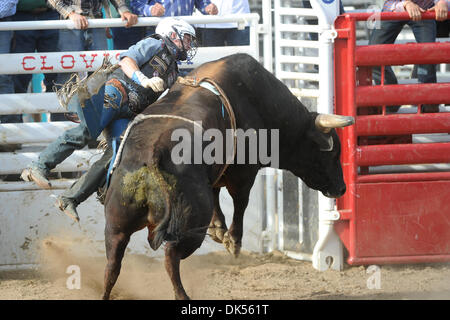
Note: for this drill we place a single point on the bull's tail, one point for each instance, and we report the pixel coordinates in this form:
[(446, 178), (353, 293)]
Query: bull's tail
[(156, 190), (172, 227)]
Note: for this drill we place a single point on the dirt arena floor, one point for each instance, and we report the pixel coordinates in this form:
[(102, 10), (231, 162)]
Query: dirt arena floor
[(219, 276)]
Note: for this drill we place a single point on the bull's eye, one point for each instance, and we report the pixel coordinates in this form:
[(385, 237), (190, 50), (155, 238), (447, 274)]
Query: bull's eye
[(330, 145)]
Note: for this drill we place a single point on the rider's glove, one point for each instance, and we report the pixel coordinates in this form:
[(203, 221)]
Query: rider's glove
[(155, 83)]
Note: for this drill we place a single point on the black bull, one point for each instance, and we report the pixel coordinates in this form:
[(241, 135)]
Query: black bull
[(177, 202)]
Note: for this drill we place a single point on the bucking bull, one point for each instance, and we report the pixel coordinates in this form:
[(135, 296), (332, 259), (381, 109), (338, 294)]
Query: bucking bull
[(179, 202)]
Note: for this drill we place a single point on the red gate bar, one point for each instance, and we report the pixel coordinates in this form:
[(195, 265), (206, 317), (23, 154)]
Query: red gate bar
[(392, 154), (404, 177), (401, 94), (399, 259), (364, 16), (410, 124), (388, 54)]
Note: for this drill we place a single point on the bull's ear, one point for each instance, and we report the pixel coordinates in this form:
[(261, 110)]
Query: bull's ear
[(323, 140)]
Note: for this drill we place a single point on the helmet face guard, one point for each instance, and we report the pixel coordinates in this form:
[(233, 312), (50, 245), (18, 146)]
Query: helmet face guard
[(182, 53), (172, 29)]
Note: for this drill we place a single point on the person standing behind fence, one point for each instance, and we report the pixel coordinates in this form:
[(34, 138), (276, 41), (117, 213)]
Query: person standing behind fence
[(226, 34), (424, 31), (7, 10), (186, 7), (28, 41), (79, 11), (125, 38)]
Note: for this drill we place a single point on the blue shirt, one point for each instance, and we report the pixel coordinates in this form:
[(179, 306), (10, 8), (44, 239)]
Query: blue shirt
[(7, 8), (184, 7), (143, 7), (143, 51)]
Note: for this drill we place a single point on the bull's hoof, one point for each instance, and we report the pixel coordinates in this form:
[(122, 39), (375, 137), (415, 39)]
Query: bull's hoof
[(233, 246), (216, 231)]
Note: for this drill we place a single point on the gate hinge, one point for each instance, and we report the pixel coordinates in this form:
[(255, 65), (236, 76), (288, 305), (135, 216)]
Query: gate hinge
[(329, 34), (331, 215)]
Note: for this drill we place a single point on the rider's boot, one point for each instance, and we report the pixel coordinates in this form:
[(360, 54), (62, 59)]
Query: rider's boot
[(89, 182), (38, 175)]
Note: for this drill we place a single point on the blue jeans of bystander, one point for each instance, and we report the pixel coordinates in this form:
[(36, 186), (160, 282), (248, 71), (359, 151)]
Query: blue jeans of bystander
[(35, 40), (6, 82), (78, 40), (424, 31), (215, 37)]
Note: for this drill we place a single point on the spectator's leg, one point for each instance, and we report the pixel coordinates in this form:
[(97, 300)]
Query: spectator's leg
[(69, 40), (25, 42), (387, 33), (236, 37), (443, 29), (214, 37), (126, 37), (6, 81), (149, 30), (199, 35), (99, 41), (425, 32), (48, 42)]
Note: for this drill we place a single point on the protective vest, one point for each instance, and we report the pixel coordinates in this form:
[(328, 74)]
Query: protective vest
[(163, 64)]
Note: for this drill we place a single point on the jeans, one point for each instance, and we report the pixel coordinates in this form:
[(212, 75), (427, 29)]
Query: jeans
[(126, 37), (78, 137), (215, 37), (424, 31), (6, 82), (35, 40)]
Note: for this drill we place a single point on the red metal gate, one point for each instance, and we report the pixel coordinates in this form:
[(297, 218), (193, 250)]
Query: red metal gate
[(391, 217)]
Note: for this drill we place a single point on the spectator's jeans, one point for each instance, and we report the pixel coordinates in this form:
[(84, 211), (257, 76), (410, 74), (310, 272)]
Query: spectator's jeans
[(215, 37), (76, 139), (80, 40), (35, 40), (6, 82), (126, 37), (424, 31)]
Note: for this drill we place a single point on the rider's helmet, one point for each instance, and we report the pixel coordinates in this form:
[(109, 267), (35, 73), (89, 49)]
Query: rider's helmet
[(175, 28)]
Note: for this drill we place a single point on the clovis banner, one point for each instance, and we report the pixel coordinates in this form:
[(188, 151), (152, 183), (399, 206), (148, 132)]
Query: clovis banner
[(55, 62)]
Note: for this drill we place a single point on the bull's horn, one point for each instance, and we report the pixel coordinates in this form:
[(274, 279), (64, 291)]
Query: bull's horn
[(324, 122)]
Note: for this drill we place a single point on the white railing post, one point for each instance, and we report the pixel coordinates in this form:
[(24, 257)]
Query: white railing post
[(266, 30), (328, 251)]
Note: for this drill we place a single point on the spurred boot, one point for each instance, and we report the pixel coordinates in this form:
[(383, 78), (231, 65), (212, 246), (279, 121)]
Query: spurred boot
[(89, 182), (36, 174)]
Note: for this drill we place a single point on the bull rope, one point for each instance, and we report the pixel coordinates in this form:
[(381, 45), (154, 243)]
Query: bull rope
[(193, 83)]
